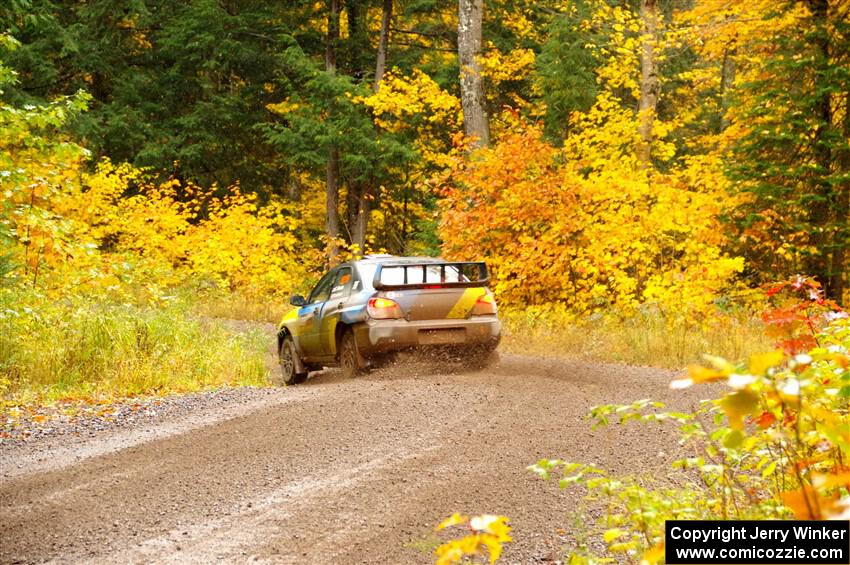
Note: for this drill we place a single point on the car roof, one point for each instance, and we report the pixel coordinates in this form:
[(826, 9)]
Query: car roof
[(373, 259)]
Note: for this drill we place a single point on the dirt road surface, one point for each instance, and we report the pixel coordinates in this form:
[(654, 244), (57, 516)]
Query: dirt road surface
[(334, 471)]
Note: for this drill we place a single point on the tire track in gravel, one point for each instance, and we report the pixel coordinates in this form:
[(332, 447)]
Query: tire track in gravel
[(340, 471)]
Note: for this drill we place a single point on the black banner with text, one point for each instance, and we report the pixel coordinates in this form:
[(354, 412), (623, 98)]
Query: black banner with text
[(762, 542)]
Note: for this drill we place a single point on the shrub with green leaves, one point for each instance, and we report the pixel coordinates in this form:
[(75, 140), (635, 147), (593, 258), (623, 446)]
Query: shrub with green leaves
[(774, 444)]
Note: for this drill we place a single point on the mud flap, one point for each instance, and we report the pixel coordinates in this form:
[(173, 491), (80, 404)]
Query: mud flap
[(362, 362), (299, 364)]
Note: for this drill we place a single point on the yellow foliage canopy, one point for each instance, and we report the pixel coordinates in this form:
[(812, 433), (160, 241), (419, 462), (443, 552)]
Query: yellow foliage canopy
[(228, 240), (93, 227), (615, 238)]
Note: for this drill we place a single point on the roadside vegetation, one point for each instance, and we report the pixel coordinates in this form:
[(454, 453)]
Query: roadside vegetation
[(646, 338), (80, 348), (772, 445)]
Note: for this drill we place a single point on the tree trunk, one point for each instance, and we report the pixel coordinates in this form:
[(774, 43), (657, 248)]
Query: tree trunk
[(358, 39), (383, 43), (332, 195), (727, 80), (649, 86), (475, 123), (360, 194), (842, 209), (359, 217), (332, 179), (821, 209), (842, 190), (333, 36)]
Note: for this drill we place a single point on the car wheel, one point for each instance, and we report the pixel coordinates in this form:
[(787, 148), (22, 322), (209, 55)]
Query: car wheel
[(350, 360), (289, 362)]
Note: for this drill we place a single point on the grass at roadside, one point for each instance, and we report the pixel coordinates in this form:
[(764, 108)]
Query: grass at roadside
[(639, 340), (239, 307), (103, 349), (80, 348)]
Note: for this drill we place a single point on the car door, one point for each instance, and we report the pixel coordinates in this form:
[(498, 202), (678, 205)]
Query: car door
[(340, 291), (310, 317)]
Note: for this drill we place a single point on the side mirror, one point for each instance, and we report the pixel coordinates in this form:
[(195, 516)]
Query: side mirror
[(297, 300)]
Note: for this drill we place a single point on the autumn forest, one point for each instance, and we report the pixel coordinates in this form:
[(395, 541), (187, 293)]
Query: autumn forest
[(599, 155), (653, 160)]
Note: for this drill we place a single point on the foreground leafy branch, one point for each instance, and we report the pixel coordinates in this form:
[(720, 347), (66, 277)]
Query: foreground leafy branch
[(774, 444)]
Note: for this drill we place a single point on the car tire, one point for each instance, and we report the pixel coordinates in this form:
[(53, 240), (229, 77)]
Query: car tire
[(288, 359), (350, 360)]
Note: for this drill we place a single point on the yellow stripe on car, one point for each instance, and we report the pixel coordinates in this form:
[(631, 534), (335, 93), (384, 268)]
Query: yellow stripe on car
[(332, 335), (467, 300), (290, 316)]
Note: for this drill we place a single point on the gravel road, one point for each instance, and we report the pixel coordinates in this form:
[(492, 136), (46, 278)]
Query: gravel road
[(334, 471)]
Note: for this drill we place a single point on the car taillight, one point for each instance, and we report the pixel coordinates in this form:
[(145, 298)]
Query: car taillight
[(383, 308), (485, 304)]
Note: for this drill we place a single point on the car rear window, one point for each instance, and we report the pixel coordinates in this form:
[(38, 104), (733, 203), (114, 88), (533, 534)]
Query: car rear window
[(432, 274)]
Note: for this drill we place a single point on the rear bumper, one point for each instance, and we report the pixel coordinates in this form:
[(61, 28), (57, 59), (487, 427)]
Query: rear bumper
[(382, 336)]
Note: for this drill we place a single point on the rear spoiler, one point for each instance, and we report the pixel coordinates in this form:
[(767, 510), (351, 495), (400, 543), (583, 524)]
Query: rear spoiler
[(417, 275)]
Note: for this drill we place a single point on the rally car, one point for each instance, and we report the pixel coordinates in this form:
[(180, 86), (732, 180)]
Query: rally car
[(363, 310)]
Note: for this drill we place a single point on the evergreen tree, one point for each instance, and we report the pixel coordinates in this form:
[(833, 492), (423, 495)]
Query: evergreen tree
[(794, 158)]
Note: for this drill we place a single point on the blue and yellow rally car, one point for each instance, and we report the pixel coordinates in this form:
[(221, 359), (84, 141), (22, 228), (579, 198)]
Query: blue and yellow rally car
[(366, 309)]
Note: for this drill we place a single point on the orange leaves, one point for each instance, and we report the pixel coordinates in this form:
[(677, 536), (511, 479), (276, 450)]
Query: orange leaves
[(516, 207), (810, 504), (800, 311), (765, 419), (553, 233), (832, 480), (782, 316), (797, 345)]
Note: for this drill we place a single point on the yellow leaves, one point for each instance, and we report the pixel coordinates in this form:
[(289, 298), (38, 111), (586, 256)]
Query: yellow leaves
[(488, 533), (518, 22), (452, 520), (761, 363), (621, 50), (737, 405), (416, 102), (653, 555), (403, 96), (698, 374), (178, 230), (498, 67), (284, 107), (612, 534)]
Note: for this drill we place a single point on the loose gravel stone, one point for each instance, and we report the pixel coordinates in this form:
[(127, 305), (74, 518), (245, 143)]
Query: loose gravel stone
[(81, 419)]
